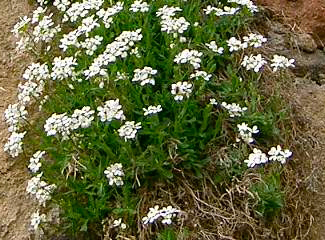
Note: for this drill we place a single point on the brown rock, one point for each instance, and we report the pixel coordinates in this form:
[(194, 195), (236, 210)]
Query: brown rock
[(305, 42)]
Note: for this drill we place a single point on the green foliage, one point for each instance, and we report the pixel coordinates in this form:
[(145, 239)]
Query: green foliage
[(271, 196), (180, 138)]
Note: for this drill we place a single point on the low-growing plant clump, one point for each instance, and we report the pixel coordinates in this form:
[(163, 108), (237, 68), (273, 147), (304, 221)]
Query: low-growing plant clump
[(142, 119)]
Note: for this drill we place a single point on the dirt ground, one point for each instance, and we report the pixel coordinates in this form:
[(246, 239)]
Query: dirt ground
[(303, 15), (15, 207)]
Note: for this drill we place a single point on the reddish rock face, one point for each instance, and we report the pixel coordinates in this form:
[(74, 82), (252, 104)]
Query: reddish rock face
[(303, 15)]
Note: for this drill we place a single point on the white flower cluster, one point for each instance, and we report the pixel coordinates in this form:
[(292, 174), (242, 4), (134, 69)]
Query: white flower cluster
[(28, 90), (279, 62), (58, 123), (42, 2), (37, 72), (81, 9), (15, 116), (139, 6), (38, 13), (254, 40), (82, 118), (14, 146), (165, 214), (107, 15), (234, 109), (144, 76), (181, 89), (189, 56), (91, 44), (21, 25), (152, 110), (118, 223), (255, 158), (253, 62), (246, 133), (214, 47), (114, 174), (36, 220), (63, 68), (116, 49), (61, 5), (248, 3), (202, 74), (111, 110), (40, 189), (129, 130), (221, 11), (235, 45), (45, 31), (34, 161), (275, 154), (23, 44), (171, 24), (63, 124)]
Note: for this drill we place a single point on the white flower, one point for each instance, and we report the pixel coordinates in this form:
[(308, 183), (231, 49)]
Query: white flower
[(256, 158), (165, 214), (139, 6), (181, 89), (34, 161), (165, 11), (40, 189), (214, 48), (14, 145), (119, 48), (107, 15), (213, 101), (152, 110), (45, 31), (281, 62), (246, 133), (226, 11), (82, 118), (277, 154), (63, 68), (62, 5), (36, 220), (28, 90), (111, 110), (253, 62), (81, 9), (114, 174), (15, 116), (254, 40), (234, 44), (58, 123), (87, 25), (129, 130), (20, 25), (209, 9), (248, 3), (234, 109), (202, 74), (189, 56), (171, 24), (38, 12), (144, 76), (23, 44), (91, 44), (37, 72)]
